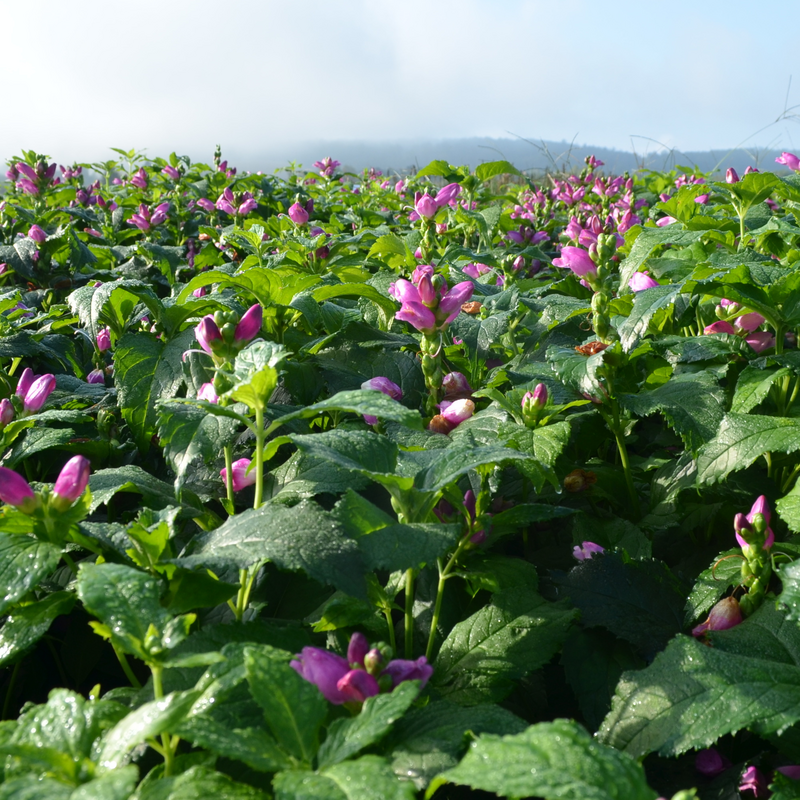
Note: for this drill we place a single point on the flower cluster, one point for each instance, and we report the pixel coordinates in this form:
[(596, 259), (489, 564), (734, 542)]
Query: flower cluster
[(146, 219), (364, 673), (221, 336), (427, 303)]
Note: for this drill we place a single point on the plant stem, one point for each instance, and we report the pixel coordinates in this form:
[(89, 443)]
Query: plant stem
[(246, 580), (616, 429), (409, 613), (70, 563), (444, 574), (259, 457), (229, 472), (387, 612), (126, 668), (166, 739)]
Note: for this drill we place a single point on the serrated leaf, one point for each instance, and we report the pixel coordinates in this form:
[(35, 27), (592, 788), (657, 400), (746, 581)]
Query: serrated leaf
[(639, 601), (346, 737), (366, 777), (725, 571), (125, 600), (105, 483), (255, 375), (577, 371), (692, 404), (645, 305), (302, 537), (552, 760), (198, 783), (27, 624), (647, 239), (753, 386), (293, 707), (512, 636), (428, 740), (741, 439), (693, 694), (145, 371), (490, 169), (188, 433), (24, 562), (788, 508)]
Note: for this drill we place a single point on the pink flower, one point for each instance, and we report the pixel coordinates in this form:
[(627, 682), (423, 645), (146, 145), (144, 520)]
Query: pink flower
[(249, 325), (6, 412), (139, 179), (666, 220), (206, 204), (387, 387), (298, 214), (725, 614), (452, 301), (731, 176), (418, 315), (749, 322), (745, 523), (208, 393), (789, 159), (587, 551), (760, 340), (240, 475), (207, 332), (37, 234), (327, 166), (447, 193), (641, 281), (710, 762), (457, 411), (14, 489), (720, 326), (753, 780), (104, 340), (426, 206), (71, 482), (171, 172), (96, 376), (39, 391), (455, 383), (577, 260)]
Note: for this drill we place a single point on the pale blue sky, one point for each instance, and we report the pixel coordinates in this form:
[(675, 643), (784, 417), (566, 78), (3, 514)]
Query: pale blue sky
[(260, 75)]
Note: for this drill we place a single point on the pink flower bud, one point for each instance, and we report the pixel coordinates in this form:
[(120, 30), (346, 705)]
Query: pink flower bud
[(446, 194), (206, 204), (160, 214), (426, 206), (731, 176), (760, 340), (357, 685), (208, 393), (418, 315), (207, 332), (720, 326), (357, 649), (665, 220), (587, 551), (171, 172), (249, 325), (38, 392), (451, 303), (457, 411), (749, 322), (14, 489), (104, 340), (6, 411), (298, 214), (37, 234), (27, 171), (427, 294), (725, 614), (240, 476), (96, 376), (789, 159), (381, 384), (641, 281), (25, 381), (577, 260), (72, 481)]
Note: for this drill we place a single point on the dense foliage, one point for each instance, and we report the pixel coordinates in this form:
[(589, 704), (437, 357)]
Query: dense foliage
[(338, 486)]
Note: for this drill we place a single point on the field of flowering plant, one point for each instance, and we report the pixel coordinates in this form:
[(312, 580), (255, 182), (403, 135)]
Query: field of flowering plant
[(450, 485)]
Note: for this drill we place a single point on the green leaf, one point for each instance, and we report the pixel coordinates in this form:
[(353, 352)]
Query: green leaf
[(198, 783), (429, 740), (753, 386), (551, 760), (24, 563), (577, 371), (126, 601), (346, 737), (741, 439), (105, 483), (361, 401), (450, 464), (27, 624), (639, 601), (692, 403), (255, 374), (788, 508), (188, 433), (145, 371), (365, 778), (751, 189), (647, 239), (36, 440), (492, 168), (645, 305), (148, 720), (544, 444), (693, 694), (110, 303), (441, 168), (712, 583), (252, 746), (116, 785), (515, 634), (363, 451), (293, 708), (302, 537)]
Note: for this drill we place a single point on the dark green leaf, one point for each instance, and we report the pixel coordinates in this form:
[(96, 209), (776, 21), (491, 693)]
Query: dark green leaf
[(645, 305), (24, 563), (27, 624)]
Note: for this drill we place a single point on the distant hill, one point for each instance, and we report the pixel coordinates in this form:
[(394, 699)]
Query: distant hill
[(406, 156)]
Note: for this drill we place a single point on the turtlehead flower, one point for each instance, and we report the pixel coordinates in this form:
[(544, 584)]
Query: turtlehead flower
[(6, 412), (208, 393), (753, 780), (455, 384), (298, 214), (139, 178), (447, 194), (710, 762), (387, 387), (360, 675), (104, 340), (207, 332), (586, 551), (37, 234), (241, 478), (425, 206), (577, 260), (720, 326), (457, 411), (665, 220), (731, 176), (327, 166), (36, 396), (249, 325), (744, 524), (788, 159), (725, 614), (171, 172), (71, 482), (15, 490), (760, 340), (96, 376), (641, 281), (206, 204)]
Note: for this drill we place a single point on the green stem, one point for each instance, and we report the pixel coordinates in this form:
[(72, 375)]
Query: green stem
[(126, 668), (787, 483), (228, 450), (260, 435), (387, 612), (623, 456), (70, 563), (166, 739), (409, 613), (246, 580)]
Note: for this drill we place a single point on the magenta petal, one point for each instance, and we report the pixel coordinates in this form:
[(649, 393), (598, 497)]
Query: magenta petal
[(73, 479), (357, 649), (401, 670), (324, 670), (418, 315), (14, 489), (357, 685)]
